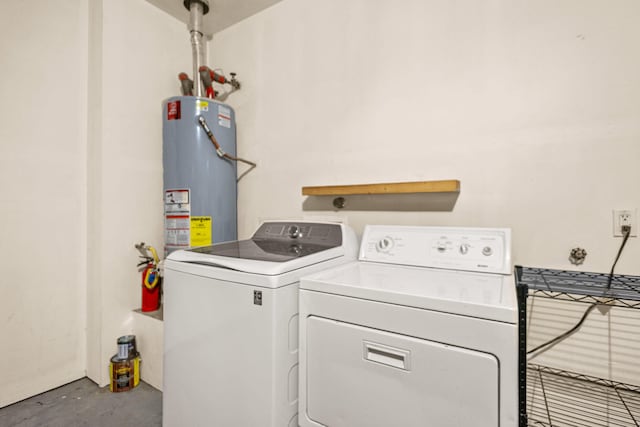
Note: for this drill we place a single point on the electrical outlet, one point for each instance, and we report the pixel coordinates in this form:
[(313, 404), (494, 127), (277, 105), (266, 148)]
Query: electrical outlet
[(625, 217)]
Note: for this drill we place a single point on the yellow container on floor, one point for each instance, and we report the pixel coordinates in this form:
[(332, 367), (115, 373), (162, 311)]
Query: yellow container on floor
[(124, 373)]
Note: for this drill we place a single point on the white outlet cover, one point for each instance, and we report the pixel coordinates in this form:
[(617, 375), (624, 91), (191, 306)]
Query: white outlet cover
[(617, 226)]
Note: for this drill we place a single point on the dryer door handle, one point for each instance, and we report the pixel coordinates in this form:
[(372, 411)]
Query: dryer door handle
[(387, 355)]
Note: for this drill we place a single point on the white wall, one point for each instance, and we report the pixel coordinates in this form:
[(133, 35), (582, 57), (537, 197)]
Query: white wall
[(81, 153), (143, 50), (531, 104), (43, 46)]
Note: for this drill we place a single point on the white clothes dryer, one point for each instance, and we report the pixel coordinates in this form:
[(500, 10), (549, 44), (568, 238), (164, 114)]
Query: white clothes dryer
[(421, 331), (231, 324)]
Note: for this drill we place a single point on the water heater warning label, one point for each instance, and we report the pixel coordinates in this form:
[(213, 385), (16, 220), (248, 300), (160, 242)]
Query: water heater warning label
[(177, 238), (173, 110), (202, 105), (224, 116), (201, 231), (177, 219), (177, 200)]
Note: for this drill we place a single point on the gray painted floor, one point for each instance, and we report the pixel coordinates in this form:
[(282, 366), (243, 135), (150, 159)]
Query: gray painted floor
[(83, 403)]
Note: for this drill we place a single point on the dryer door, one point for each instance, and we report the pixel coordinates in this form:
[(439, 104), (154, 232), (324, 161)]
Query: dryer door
[(358, 376)]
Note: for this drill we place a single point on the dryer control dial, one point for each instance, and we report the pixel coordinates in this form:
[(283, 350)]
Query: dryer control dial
[(385, 244), (464, 248)]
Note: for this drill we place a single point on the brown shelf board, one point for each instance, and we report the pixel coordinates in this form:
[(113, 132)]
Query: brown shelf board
[(446, 186)]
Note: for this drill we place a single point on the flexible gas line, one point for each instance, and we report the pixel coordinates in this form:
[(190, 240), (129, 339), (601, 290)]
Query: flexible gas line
[(221, 152)]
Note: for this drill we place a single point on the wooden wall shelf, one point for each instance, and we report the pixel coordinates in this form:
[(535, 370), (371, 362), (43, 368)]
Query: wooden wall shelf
[(448, 186), (392, 196)]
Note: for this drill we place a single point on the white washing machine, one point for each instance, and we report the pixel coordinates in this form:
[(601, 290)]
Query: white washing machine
[(231, 324), (421, 331)]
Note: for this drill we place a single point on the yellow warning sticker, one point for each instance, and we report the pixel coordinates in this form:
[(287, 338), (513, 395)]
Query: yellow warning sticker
[(201, 230), (202, 105)]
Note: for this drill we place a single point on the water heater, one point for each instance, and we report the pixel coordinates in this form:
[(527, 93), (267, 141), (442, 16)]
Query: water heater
[(200, 188)]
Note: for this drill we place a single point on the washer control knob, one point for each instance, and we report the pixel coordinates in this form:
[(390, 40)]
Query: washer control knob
[(441, 247), (294, 231), (295, 250), (464, 248), (487, 251), (384, 244)]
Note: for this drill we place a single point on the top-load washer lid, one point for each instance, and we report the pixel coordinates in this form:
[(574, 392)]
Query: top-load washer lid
[(464, 271), (275, 248)]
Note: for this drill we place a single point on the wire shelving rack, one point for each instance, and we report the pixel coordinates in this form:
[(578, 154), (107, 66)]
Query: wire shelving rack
[(558, 398)]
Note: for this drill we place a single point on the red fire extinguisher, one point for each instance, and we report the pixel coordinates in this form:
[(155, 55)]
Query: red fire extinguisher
[(151, 279)]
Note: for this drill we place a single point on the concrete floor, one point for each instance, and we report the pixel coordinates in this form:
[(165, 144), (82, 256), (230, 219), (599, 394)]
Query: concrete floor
[(83, 403)]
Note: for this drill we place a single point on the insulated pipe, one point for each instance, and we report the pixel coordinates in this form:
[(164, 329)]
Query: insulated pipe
[(186, 84), (197, 9)]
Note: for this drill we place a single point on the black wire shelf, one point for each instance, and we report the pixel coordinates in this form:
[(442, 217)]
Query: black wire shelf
[(579, 286), (566, 399), (555, 398)]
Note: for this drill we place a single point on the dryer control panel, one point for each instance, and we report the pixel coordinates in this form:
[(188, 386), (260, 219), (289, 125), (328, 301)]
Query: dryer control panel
[(454, 248)]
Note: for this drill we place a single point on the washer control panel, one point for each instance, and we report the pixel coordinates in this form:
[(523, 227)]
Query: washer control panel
[(455, 248)]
